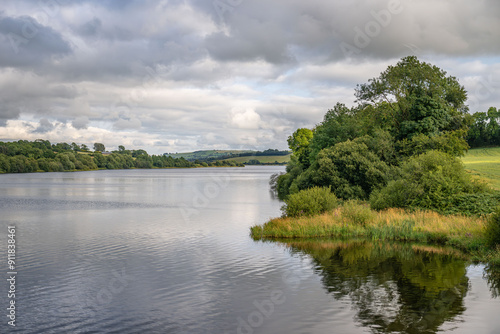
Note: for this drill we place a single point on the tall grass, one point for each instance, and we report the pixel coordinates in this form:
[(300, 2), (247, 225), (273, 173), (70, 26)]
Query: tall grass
[(357, 220), (360, 220)]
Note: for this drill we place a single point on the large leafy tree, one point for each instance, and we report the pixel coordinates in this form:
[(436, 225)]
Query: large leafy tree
[(411, 108), (416, 97)]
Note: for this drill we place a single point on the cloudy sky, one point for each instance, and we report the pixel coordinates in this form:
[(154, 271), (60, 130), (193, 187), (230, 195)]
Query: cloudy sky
[(175, 76)]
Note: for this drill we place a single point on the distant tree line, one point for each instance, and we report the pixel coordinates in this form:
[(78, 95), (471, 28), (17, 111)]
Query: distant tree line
[(257, 162), (40, 155), (217, 156), (267, 152), (484, 129)]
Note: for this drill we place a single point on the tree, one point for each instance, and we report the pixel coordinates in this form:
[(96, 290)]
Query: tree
[(299, 144), (75, 147), (84, 148), (99, 147), (339, 124), (350, 168), (417, 98), (121, 148)]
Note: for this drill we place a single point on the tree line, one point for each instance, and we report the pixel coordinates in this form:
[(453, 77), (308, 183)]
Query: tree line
[(397, 147), (484, 129), (40, 155)]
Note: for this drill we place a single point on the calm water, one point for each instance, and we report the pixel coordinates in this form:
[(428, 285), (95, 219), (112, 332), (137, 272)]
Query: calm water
[(168, 251)]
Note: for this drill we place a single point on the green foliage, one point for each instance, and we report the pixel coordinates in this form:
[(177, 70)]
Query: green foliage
[(451, 142), (493, 229), (417, 97), (99, 147), (309, 202), (284, 181), (484, 129), (24, 157), (350, 168), (339, 124), (4, 164), (299, 144), (432, 180), (410, 109)]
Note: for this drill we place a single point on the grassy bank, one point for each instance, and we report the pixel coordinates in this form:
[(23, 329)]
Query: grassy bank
[(351, 220), (483, 164), (263, 158)]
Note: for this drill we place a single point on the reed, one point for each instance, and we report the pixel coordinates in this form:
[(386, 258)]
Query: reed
[(357, 220)]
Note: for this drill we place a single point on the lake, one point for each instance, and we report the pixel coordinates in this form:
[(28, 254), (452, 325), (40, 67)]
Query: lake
[(169, 251)]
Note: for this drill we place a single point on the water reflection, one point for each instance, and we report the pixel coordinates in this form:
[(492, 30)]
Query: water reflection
[(393, 287), (492, 276)]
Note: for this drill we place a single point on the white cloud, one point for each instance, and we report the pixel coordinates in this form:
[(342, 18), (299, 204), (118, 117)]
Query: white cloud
[(247, 119)]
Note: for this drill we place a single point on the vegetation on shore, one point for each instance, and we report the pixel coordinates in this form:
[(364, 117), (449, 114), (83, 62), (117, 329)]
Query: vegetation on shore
[(244, 156), (393, 161), (41, 156), (263, 160), (355, 219)]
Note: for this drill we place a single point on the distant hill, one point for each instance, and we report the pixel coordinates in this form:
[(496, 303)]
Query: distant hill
[(266, 156)]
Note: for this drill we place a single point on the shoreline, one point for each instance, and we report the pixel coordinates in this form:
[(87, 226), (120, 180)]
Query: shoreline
[(464, 233), (135, 168)]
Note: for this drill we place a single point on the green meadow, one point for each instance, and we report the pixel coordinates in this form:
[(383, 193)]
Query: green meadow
[(484, 164), (263, 158)]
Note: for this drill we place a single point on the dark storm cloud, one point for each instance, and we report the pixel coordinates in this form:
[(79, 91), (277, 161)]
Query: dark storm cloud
[(317, 30), (81, 122), (44, 126), (26, 43)]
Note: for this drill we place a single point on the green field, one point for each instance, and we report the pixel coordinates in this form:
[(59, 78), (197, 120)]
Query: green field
[(263, 158), (212, 154), (484, 164)]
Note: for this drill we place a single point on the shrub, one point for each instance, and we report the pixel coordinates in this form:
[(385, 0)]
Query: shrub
[(433, 180), (309, 202), (350, 168), (493, 229), (357, 213)]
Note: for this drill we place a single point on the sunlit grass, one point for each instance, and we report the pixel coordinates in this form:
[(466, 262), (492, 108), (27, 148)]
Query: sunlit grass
[(484, 165), (342, 222), (465, 233), (263, 158)]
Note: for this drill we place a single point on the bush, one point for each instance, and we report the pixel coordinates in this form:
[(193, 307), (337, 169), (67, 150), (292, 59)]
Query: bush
[(437, 181), (493, 229), (309, 202), (350, 168), (357, 213)]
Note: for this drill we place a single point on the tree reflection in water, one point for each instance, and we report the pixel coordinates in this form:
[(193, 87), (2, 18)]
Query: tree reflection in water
[(393, 287), (492, 275)]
